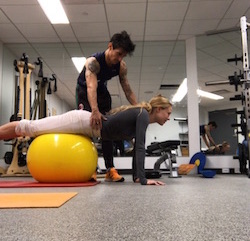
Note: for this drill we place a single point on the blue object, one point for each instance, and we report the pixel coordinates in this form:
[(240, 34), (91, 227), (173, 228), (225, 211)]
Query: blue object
[(208, 173), (201, 159)]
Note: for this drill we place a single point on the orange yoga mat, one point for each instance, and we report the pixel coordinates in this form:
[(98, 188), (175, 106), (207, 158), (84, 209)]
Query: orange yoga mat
[(34, 200), (16, 184)]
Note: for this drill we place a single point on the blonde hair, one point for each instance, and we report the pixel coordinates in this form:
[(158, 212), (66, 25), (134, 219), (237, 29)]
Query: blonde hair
[(225, 144), (157, 101)]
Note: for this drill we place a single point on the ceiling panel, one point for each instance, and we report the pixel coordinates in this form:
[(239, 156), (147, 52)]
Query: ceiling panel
[(3, 17), (86, 13), (163, 28), (65, 33), (17, 3), (84, 32), (10, 34), (228, 23), (166, 11), (197, 27), (25, 14), (119, 12), (125, 1), (45, 32), (135, 29), (237, 9), (207, 10)]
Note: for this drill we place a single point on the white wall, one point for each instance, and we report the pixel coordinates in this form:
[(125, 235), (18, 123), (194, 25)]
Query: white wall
[(56, 105)]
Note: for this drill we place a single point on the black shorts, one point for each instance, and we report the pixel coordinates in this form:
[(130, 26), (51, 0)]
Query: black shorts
[(104, 100)]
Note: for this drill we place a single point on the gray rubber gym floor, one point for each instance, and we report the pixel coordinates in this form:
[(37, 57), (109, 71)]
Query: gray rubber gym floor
[(187, 208)]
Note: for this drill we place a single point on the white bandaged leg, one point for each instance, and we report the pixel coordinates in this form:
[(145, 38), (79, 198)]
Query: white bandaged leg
[(72, 122), (24, 128)]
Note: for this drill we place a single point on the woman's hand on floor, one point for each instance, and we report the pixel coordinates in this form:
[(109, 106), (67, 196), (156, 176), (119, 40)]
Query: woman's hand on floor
[(153, 182)]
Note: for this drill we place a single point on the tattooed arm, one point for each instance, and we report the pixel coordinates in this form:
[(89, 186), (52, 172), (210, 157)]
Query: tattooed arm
[(130, 95), (92, 69)]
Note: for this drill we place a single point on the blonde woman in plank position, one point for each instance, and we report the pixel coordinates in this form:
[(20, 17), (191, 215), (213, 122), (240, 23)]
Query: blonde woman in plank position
[(123, 123)]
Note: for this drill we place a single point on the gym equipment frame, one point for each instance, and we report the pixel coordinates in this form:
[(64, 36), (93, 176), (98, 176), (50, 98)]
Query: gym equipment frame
[(167, 152), (243, 79)]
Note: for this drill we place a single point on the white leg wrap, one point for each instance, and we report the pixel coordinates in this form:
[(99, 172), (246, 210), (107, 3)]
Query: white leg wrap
[(72, 122), (24, 128)]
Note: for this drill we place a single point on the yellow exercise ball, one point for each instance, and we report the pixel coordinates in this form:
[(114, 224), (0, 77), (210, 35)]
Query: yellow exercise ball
[(58, 158)]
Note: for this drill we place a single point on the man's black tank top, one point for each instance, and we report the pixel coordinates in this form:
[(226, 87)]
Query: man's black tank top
[(105, 74)]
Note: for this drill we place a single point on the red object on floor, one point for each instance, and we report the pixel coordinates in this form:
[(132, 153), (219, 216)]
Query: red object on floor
[(16, 184)]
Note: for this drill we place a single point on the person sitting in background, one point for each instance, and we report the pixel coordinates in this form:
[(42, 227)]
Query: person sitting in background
[(219, 149)]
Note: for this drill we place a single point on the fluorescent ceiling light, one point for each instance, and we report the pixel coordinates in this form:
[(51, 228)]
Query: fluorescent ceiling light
[(79, 62), (181, 92), (54, 11), (209, 95)]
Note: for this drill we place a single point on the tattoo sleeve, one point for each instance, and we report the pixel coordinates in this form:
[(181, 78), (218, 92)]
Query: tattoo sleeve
[(123, 72), (94, 66), (125, 84)]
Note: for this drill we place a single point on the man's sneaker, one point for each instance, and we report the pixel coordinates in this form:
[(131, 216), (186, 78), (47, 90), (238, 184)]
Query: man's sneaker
[(113, 176)]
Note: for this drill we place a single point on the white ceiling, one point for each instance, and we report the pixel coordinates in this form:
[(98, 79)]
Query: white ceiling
[(158, 27)]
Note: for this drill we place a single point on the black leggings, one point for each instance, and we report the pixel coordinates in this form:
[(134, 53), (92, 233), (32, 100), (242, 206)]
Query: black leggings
[(104, 104)]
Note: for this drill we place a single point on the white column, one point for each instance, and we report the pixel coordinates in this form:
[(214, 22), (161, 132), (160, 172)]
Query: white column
[(192, 97)]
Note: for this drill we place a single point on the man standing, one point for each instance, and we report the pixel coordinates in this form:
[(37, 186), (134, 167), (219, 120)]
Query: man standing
[(92, 92)]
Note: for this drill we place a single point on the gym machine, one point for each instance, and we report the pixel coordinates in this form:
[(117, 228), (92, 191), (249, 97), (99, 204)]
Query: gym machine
[(16, 159), (40, 103), (242, 79), (22, 110), (167, 151)]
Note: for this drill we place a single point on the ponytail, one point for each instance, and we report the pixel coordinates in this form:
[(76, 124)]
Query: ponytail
[(157, 101)]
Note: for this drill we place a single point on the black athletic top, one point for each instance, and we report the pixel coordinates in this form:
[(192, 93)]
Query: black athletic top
[(126, 125), (105, 74)]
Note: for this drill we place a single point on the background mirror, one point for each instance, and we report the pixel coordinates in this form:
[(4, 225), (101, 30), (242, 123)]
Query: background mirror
[(214, 54)]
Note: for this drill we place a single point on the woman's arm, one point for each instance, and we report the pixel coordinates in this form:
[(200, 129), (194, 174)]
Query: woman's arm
[(142, 122), (141, 127)]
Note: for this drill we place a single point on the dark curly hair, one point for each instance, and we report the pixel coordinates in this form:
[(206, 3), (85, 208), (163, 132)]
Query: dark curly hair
[(122, 40)]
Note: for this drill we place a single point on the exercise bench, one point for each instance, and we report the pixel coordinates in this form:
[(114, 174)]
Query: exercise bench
[(167, 152)]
